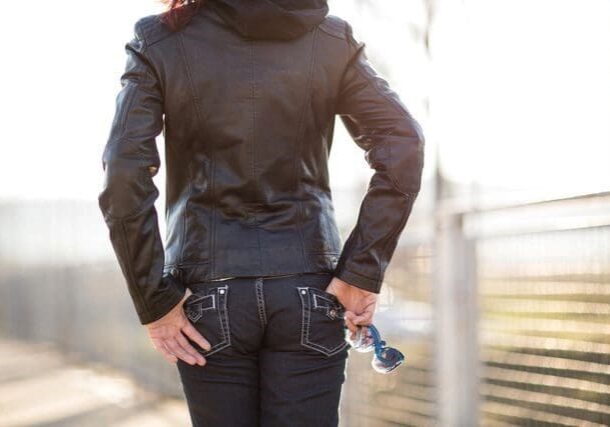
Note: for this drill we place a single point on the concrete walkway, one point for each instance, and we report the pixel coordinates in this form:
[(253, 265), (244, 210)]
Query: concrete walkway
[(40, 387)]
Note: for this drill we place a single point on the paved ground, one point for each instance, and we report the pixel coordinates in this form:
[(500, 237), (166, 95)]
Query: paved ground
[(39, 387)]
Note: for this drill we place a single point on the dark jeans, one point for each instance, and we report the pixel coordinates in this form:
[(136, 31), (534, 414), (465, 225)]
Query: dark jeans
[(278, 355)]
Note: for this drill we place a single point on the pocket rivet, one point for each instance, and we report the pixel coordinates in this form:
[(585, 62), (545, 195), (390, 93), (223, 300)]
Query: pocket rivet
[(303, 291), (222, 291), (333, 312)]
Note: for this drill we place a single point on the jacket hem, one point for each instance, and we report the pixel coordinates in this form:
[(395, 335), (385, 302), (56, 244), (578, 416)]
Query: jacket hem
[(197, 272)]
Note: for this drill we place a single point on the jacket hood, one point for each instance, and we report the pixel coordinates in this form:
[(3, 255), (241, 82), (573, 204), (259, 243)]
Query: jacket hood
[(271, 19)]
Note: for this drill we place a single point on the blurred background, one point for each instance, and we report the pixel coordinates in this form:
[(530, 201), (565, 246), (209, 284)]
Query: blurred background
[(498, 293)]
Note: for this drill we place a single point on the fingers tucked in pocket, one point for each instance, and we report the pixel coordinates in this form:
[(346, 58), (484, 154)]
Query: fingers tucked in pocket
[(207, 311)]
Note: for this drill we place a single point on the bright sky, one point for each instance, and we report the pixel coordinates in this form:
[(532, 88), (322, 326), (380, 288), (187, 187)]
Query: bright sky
[(519, 91)]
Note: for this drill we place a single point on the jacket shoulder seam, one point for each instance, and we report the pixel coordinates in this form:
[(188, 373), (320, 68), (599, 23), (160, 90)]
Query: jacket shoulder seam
[(151, 30), (334, 26)]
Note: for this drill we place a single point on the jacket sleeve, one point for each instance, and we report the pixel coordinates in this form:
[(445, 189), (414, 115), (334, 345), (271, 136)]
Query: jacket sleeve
[(130, 160), (393, 143)]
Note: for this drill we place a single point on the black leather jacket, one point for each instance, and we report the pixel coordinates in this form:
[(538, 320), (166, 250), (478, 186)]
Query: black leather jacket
[(247, 112)]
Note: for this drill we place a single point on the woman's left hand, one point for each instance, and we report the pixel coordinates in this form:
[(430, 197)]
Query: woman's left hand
[(359, 304)]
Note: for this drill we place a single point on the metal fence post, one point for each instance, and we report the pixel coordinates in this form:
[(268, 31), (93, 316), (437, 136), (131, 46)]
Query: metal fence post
[(457, 353)]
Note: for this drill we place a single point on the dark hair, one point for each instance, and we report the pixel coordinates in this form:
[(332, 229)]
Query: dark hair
[(179, 12)]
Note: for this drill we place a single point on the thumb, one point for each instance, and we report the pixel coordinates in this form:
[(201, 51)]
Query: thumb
[(187, 294)]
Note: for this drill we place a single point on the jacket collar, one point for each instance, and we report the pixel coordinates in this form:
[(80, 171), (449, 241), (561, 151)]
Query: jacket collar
[(271, 19)]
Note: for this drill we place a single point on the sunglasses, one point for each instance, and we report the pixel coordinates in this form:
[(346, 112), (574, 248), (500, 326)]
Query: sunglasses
[(386, 359)]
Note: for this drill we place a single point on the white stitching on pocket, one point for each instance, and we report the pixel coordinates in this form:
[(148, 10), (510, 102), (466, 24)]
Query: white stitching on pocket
[(194, 308), (218, 298), (307, 295)]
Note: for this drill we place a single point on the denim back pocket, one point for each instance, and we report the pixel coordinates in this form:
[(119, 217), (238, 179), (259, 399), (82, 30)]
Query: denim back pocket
[(207, 311), (322, 325)]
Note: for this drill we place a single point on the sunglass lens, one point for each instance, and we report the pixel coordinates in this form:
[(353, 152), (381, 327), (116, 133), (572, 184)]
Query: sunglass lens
[(362, 342), (390, 358)]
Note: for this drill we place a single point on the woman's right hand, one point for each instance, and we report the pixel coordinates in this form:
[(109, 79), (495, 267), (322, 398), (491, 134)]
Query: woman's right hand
[(359, 304), (168, 336)]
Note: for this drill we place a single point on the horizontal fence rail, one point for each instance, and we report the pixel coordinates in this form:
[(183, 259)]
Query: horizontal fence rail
[(502, 311)]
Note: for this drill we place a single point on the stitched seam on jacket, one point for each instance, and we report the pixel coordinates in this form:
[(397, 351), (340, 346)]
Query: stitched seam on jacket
[(146, 24), (253, 144), (195, 100), (397, 107), (129, 102), (405, 194), (356, 60), (188, 192), (393, 234), (332, 27), (141, 28), (349, 60), (183, 234), (212, 225), (135, 212), (130, 269), (371, 81), (390, 171), (131, 94), (126, 139), (300, 137), (147, 69)]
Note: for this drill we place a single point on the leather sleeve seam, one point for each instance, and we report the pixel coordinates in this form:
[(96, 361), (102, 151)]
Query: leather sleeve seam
[(128, 265), (150, 69), (331, 33), (395, 234), (389, 169), (396, 185), (349, 61), (147, 22), (399, 109), (136, 212)]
